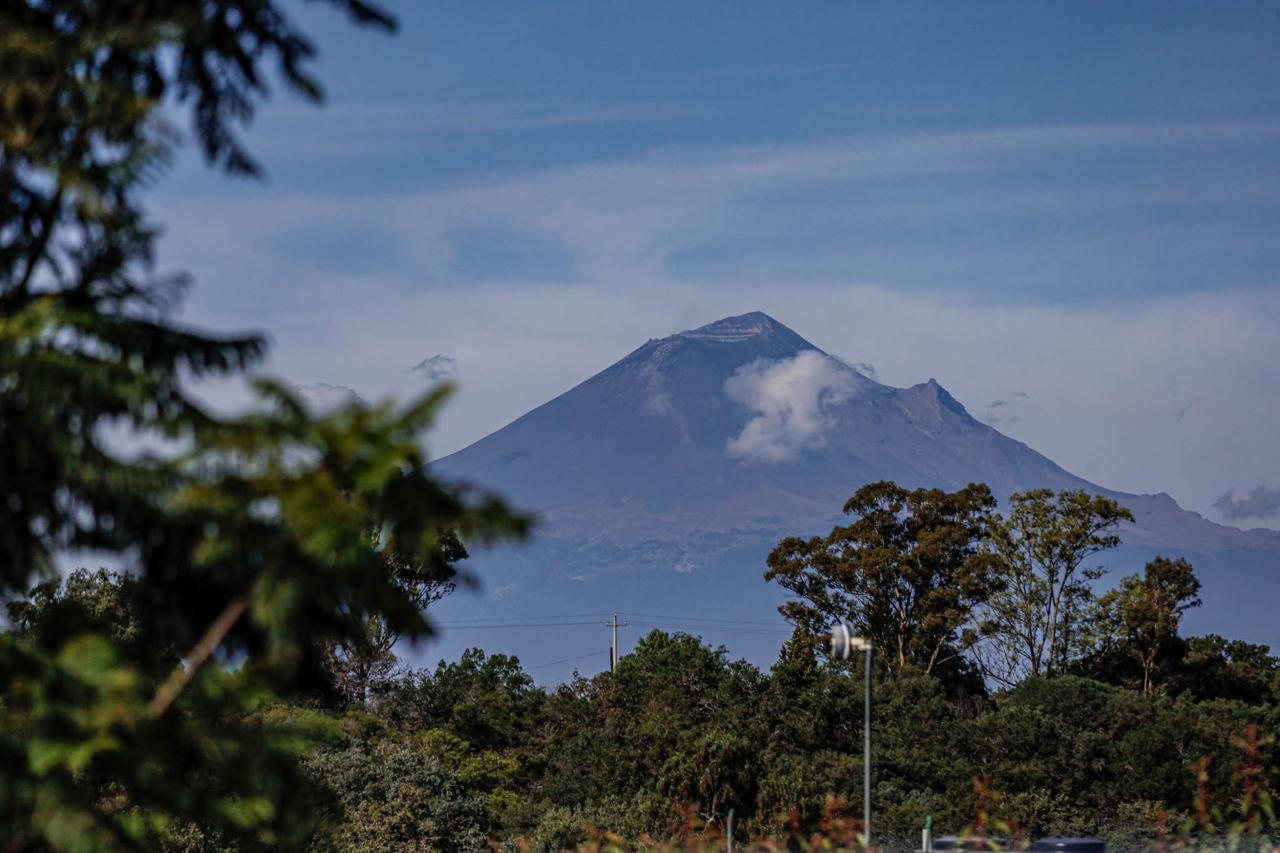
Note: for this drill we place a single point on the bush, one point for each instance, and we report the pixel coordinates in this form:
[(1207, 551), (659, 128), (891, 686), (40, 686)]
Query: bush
[(395, 797)]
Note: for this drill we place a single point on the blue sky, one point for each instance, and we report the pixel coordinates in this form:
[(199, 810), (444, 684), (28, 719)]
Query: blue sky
[(1065, 212)]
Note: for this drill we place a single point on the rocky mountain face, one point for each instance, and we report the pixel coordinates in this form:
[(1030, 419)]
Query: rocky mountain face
[(664, 480)]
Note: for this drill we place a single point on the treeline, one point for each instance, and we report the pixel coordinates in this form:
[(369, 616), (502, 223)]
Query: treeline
[(680, 737), (943, 582), (1009, 698)]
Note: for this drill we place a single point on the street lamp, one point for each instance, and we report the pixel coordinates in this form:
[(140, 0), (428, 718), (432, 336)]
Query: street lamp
[(843, 645)]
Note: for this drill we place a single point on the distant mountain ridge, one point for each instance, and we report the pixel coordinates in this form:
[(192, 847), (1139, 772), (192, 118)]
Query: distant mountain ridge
[(679, 466)]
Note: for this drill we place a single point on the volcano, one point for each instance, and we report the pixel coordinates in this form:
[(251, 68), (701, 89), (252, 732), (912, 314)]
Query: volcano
[(663, 481)]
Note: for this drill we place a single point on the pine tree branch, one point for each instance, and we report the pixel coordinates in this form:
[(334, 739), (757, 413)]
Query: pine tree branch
[(41, 244), (199, 653)]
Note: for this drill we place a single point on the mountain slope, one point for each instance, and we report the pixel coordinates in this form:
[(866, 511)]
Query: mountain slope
[(666, 478)]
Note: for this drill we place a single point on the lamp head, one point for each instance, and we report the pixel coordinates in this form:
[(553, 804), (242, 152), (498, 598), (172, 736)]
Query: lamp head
[(844, 644)]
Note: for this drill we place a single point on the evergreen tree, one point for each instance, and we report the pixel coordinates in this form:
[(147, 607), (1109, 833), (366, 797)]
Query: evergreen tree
[(364, 667)]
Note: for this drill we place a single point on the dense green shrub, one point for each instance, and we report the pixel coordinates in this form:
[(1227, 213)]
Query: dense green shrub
[(680, 735)]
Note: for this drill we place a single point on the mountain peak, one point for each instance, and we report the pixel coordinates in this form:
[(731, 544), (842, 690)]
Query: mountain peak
[(734, 329), (937, 395), (746, 327)]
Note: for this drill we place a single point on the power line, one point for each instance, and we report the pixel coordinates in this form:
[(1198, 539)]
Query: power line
[(703, 619), (714, 629), (567, 660), (494, 627), (545, 618), (674, 618), (653, 620), (542, 616)]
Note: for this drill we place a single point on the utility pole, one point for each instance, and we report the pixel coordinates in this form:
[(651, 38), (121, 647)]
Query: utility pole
[(613, 649)]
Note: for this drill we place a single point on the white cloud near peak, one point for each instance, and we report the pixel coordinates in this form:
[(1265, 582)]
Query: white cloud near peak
[(791, 402)]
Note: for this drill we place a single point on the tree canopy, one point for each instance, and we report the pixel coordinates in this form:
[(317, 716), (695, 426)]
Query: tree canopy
[(1141, 616), (907, 572), (1036, 623)]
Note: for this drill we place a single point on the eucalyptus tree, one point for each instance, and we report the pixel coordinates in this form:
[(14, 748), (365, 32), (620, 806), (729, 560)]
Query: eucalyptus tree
[(907, 572), (1142, 615), (1036, 621)]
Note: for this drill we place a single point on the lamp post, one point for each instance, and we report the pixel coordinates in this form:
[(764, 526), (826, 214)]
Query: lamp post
[(843, 645)]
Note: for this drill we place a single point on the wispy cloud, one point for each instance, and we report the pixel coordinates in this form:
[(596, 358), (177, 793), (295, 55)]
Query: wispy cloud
[(927, 211), (437, 368), (1260, 503), (323, 397), (659, 397), (352, 129), (1004, 412), (866, 369)]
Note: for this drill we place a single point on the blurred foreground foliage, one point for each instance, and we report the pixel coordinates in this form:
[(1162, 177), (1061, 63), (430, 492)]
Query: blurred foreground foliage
[(146, 712)]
